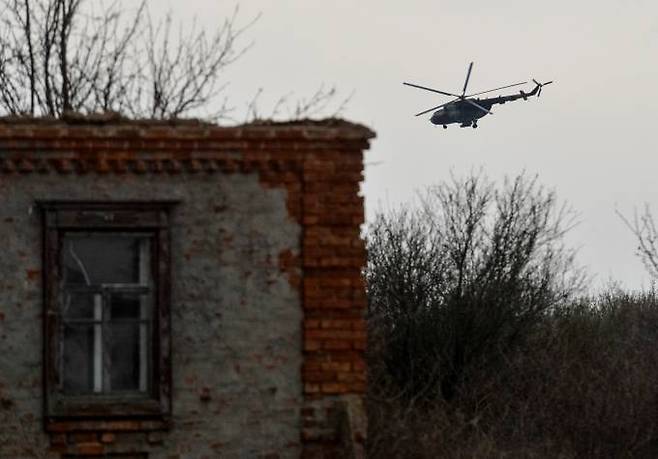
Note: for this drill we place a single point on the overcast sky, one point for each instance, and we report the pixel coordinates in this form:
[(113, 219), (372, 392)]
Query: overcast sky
[(591, 136)]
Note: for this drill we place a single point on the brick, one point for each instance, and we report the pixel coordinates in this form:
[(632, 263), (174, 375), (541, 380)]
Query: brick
[(336, 324), (360, 344), (335, 344), (327, 303), (319, 376), (334, 388), (311, 388), (359, 365), (311, 323), (83, 437), (90, 449), (331, 334), (357, 387), (351, 377), (58, 439), (312, 345), (336, 366), (58, 449)]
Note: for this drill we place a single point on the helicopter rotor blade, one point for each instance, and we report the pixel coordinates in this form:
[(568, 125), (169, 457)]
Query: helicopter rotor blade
[(430, 89), (502, 87), (468, 76), (434, 108), (478, 106)]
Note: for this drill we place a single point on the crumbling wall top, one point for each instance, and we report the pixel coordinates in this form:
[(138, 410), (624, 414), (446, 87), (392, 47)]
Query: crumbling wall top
[(115, 125)]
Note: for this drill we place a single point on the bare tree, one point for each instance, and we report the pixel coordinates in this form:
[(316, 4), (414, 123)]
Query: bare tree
[(324, 101), (59, 56), (454, 284), (643, 228), (63, 55)]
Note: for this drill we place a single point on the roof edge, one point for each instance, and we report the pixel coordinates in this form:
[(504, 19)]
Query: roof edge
[(302, 129)]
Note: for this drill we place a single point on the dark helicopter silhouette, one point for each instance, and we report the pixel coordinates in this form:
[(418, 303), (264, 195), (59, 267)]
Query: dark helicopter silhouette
[(467, 110)]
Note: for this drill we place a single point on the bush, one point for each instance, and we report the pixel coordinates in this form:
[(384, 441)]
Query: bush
[(455, 284), (584, 384)]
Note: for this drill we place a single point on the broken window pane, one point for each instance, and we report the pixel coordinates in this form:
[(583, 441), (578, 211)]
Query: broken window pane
[(78, 305), (96, 259), (126, 306), (123, 348), (78, 358)]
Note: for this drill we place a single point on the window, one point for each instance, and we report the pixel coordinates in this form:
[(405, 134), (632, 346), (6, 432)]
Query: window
[(106, 273), (106, 308)]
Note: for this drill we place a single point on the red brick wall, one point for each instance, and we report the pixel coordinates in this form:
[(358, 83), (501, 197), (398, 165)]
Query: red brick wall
[(333, 292), (320, 166)]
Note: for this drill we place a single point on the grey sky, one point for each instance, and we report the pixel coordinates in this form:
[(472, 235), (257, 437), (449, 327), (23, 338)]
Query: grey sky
[(591, 136)]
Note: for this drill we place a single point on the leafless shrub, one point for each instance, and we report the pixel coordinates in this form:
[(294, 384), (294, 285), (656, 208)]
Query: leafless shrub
[(583, 384), (458, 282)]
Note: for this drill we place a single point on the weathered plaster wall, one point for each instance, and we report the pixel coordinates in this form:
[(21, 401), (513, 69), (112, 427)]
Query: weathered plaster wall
[(236, 320)]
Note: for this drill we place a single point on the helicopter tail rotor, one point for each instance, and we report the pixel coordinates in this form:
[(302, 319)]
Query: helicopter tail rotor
[(541, 85)]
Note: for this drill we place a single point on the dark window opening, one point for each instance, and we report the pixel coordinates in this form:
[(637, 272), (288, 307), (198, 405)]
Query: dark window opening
[(106, 312)]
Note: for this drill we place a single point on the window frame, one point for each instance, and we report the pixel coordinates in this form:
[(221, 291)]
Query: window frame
[(148, 217)]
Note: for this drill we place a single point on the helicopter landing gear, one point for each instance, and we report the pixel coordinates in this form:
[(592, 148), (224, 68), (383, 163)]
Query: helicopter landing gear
[(445, 127)]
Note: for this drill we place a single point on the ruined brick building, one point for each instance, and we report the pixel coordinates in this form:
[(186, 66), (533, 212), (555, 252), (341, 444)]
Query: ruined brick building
[(181, 290)]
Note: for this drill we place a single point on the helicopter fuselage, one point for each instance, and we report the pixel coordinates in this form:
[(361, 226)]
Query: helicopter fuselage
[(461, 112)]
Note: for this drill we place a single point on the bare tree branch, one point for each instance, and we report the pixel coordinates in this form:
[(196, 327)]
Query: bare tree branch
[(643, 227), (323, 102), (184, 71)]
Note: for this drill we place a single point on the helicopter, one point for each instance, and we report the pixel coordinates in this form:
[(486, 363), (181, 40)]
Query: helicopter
[(467, 110)]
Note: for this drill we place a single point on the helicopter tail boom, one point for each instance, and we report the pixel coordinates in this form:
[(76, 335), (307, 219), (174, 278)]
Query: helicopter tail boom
[(536, 90)]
